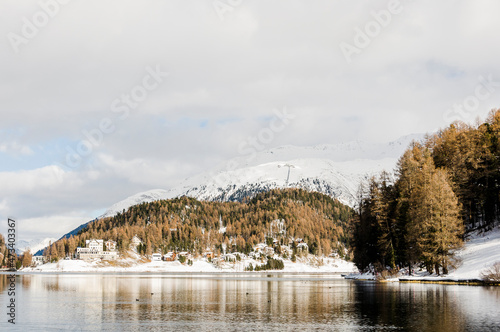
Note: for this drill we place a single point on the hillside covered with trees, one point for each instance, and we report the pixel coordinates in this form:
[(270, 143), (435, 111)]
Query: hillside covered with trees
[(186, 224), (442, 187)]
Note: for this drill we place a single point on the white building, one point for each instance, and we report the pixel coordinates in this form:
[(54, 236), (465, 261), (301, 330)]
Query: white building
[(111, 245), (269, 251), (95, 245), (303, 246), (135, 242), (37, 260), (260, 247), (95, 250), (185, 254), (170, 256), (229, 258)]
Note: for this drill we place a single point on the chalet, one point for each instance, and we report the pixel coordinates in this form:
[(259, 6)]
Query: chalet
[(209, 255), (303, 246), (185, 254), (111, 245), (260, 247), (170, 256), (229, 258), (135, 242), (269, 251)]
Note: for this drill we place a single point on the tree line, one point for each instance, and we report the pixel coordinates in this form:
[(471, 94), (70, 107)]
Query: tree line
[(442, 187), (186, 224)]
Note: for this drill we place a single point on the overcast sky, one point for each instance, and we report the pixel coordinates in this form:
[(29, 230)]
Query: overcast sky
[(102, 99)]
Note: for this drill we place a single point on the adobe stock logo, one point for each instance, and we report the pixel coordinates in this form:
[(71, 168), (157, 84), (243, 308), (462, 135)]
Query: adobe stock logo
[(470, 104), (372, 29), (224, 7), (31, 27), (249, 147), (121, 106)]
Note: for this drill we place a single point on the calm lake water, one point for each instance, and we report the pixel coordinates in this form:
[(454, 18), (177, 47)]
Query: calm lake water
[(260, 302)]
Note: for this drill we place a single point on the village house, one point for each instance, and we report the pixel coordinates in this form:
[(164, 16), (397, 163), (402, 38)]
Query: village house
[(269, 251), (94, 249), (170, 256), (254, 254), (303, 246), (37, 260), (229, 258), (185, 254), (135, 242), (156, 257), (209, 255), (260, 248), (111, 245), (287, 250)]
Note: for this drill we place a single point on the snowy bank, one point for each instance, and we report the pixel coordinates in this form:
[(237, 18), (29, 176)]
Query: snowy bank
[(137, 264), (479, 253)]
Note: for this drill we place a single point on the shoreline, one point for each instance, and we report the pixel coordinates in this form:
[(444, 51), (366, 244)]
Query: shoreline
[(325, 275), (448, 281), (337, 275)]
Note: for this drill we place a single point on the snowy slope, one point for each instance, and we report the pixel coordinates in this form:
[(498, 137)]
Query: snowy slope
[(336, 179), (335, 170), (144, 197), (480, 252), (351, 151), (33, 245)]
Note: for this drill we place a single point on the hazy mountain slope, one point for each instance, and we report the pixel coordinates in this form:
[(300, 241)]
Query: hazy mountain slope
[(335, 170), (33, 245), (337, 179)]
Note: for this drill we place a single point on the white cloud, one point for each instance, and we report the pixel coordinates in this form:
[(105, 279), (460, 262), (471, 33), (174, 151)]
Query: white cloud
[(225, 79), (15, 148)]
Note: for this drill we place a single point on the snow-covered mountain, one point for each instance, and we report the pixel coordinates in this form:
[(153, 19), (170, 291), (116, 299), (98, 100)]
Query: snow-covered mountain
[(33, 245), (144, 197), (335, 170)]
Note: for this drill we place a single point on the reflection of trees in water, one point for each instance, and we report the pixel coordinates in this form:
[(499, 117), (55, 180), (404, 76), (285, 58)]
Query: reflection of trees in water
[(26, 281), (201, 300), (3, 282), (414, 307)]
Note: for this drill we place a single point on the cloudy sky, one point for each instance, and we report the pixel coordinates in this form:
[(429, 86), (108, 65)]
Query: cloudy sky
[(100, 100)]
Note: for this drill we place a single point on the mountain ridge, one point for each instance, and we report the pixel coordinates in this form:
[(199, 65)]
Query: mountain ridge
[(333, 169)]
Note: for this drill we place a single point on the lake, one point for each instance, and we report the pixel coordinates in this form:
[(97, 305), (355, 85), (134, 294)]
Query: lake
[(242, 302)]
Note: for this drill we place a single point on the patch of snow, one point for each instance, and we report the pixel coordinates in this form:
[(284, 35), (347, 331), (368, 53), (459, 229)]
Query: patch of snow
[(143, 197), (33, 245), (480, 252), (134, 263)]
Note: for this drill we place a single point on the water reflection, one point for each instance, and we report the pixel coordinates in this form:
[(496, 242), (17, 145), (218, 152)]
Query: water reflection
[(429, 307), (211, 303)]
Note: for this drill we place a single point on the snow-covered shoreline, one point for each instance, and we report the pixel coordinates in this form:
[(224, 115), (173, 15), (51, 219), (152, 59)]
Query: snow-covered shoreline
[(134, 265), (479, 253)]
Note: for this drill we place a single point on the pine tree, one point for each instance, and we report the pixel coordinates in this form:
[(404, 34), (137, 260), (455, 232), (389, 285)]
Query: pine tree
[(432, 213), (27, 258)]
